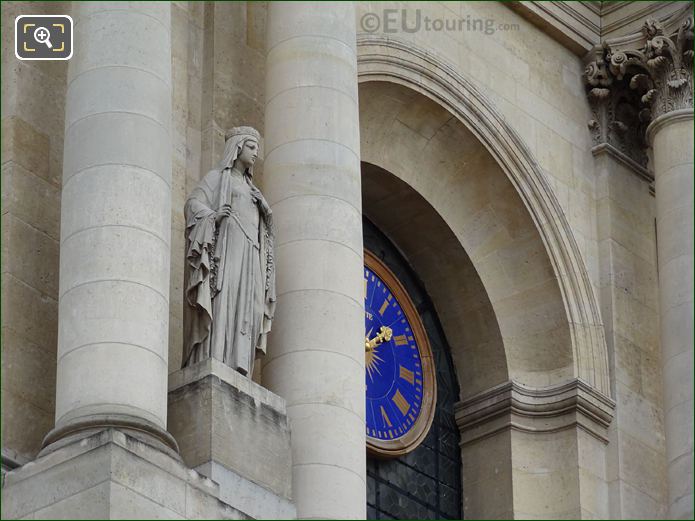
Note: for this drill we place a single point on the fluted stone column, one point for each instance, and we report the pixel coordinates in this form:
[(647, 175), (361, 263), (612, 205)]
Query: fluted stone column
[(312, 181), (671, 137), (115, 224)]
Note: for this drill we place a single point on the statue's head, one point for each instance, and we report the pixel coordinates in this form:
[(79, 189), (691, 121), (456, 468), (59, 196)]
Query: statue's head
[(242, 146)]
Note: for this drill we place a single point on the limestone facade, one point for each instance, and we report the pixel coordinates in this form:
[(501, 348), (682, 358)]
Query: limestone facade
[(531, 161)]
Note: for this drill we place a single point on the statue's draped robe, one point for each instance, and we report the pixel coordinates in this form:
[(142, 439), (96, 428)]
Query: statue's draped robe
[(229, 275)]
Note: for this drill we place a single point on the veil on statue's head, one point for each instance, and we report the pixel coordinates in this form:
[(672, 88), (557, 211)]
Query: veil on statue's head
[(234, 139)]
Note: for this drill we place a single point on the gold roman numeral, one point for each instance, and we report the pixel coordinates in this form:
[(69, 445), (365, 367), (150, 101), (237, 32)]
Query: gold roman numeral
[(400, 340), (401, 402), (407, 375), (385, 416), (383, 307)]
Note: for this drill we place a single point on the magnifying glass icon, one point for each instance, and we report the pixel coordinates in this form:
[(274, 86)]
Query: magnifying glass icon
[(42, 35)]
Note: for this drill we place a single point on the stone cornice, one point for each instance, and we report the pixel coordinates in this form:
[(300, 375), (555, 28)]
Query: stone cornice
[(575, 25), (580, 26), (605, 8), (584, 17), (512, 405), (624, 159), (594, 7), (11, 460), (617, 17)]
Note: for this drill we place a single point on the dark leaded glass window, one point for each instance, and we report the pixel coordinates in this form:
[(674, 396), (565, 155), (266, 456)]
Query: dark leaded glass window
[(425, 484)]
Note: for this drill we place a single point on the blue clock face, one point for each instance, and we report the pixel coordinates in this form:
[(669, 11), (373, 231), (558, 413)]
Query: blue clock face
[(394, 367)]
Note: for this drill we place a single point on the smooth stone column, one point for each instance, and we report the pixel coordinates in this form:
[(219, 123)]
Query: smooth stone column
[(115, 224), (671, 136), (312, 180)]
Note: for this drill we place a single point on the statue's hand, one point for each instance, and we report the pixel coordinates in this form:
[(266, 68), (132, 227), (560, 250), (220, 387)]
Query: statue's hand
[(260, 200), (224, 211)]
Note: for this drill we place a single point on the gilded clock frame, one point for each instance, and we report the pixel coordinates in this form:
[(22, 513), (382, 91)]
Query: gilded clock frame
[(409, 441)]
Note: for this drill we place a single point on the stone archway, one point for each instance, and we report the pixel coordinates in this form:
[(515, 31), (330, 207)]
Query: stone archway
[(389, 60), (440, 196), (457, 190), (437, 256)]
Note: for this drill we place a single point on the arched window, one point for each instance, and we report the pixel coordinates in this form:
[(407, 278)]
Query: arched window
[(426, 483)]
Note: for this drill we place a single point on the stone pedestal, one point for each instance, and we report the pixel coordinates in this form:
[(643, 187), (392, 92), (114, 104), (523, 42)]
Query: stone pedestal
[(235, 432), (110, 475)]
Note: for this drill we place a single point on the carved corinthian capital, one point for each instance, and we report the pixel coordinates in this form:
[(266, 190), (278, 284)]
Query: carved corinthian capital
[(618, 121), (629, 87), (662, 71)]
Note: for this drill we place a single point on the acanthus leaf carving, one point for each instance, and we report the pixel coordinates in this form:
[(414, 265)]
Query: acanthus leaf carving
[(628, 88), (616, 119)]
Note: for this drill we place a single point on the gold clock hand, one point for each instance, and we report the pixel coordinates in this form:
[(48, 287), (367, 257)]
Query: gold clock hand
[(385, 333), (388, 332)]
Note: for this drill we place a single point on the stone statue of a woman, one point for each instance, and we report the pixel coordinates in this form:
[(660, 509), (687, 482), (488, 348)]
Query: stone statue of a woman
[(229, 273)]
